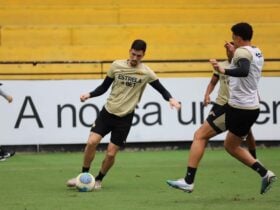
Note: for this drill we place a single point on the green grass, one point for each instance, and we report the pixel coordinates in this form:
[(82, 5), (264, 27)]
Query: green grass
[(137, 182)]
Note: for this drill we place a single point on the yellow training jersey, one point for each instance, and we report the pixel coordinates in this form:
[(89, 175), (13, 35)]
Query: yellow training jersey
[(223, 93), (128, 86)]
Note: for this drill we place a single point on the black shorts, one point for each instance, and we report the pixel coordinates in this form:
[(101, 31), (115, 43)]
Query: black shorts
[(118, 126), (240, 121), (216, 118)]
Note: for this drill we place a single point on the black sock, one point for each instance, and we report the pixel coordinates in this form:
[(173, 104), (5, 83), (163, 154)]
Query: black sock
[(259, 168), (85, 169), (253, 153), (189, 178), (100, 176)]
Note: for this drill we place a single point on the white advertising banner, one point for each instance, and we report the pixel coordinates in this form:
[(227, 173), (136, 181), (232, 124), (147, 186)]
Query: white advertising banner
[(50, 112)]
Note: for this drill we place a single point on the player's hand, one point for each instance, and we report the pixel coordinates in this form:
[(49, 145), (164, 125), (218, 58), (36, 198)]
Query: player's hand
[(214, 63), (84, 97), (10, 99), (230, 47), (216, 66), (174, 103)]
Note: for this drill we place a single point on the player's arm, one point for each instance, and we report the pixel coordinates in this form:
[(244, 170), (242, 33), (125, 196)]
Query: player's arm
[(242, 58), (101, 89), (210, 87), (242, 70), (2, 93), (6, 96), (165, 94)]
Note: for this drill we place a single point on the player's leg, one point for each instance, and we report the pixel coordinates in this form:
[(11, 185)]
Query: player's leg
[(201, 137), (239, 123), (232, 145), (200, 140), (89, 154), (109, 159), (90, 150), (214, 124), (107, 163), (120, 130), (251, 144), (99, 129)]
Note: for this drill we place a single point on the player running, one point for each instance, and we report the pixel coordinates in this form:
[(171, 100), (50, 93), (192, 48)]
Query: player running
[(241, 110)]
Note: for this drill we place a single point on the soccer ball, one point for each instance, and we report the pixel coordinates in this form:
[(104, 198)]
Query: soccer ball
[(85, 182)]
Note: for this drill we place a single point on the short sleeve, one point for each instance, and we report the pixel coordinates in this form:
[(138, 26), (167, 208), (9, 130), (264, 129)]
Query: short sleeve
[(242, 53), (152, 75), (110, 72)]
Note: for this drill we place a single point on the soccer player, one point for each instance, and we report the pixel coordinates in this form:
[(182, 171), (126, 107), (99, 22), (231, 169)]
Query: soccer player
[(216, 118), (242, 108), (3, 153), (128, 79), (215, 122)]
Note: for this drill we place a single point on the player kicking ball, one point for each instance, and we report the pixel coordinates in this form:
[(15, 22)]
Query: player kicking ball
[(128, 79)]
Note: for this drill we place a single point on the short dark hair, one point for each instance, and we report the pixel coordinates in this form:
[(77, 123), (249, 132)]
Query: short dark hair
[(139, 44), (244, 30)]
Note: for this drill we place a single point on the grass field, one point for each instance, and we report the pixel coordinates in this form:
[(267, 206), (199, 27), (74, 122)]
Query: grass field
[(137, 182)]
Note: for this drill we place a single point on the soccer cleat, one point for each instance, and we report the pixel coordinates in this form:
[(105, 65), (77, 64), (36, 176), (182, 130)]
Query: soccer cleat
[(9, 154), (97, 185), (5, 154), (2, 158), (181, 185), (267, 181), (71, 182)]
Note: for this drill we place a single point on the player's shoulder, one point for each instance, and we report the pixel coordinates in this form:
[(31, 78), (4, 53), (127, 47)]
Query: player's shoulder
[(145, 67), (243, 52), (119, 63)]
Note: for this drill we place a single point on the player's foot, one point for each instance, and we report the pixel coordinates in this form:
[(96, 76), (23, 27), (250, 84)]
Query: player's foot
[(71, 182), (267, 181), (9, 154), (2, 158), (181, 185), (97, 185)]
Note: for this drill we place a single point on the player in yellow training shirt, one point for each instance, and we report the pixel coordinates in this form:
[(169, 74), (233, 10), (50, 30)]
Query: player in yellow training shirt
[(128, 79)]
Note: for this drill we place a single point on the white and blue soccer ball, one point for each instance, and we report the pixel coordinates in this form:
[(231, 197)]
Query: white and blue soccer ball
[(85, 182)]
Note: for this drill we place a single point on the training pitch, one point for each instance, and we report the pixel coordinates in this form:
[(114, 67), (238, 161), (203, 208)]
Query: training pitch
[(137, 182)]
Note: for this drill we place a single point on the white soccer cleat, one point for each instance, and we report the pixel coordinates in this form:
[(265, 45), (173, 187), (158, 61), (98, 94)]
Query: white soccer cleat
[(97, 185), (267, 181), (181, 185), (71, 182)]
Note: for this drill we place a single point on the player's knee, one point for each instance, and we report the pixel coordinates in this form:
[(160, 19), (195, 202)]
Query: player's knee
[(198, 136), (92, 143)]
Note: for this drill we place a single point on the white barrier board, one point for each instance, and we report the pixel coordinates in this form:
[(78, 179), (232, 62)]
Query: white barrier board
[(50, 112)]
